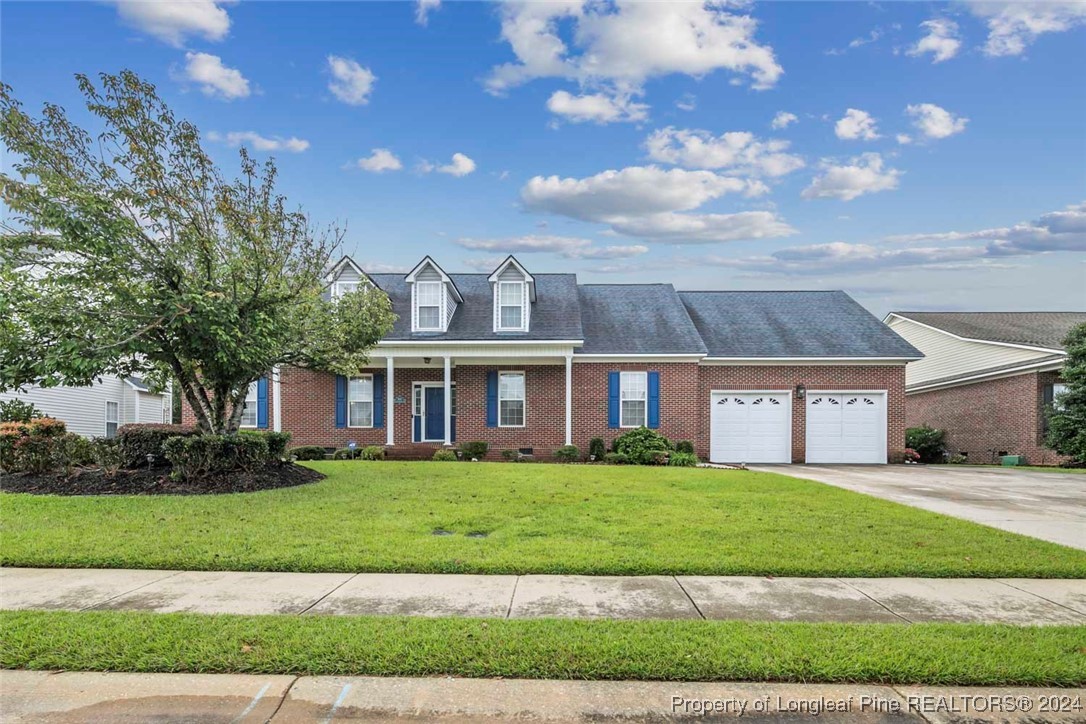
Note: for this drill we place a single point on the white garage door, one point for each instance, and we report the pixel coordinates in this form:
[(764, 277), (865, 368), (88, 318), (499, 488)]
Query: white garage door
[(750, 427), (846, 428)]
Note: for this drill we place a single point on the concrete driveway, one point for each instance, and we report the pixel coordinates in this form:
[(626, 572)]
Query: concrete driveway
[(1050, 506)]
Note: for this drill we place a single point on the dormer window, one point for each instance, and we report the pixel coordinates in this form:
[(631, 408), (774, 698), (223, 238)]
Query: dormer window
[(434, 297), (342, 288), (511, 303), (514, 292), (428, 297)]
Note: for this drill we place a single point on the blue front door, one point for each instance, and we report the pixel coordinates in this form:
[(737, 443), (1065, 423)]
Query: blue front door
[(435, 413)]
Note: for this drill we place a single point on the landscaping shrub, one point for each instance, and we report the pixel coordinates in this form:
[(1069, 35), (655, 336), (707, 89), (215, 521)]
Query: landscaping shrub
[(477, 449), (567, 454), (308, 452), (444, 456), (197, 456), (373, 452), (31, 446), (614, 458), (684, 446), (276, 441), (910, 456), (139, 441), (10, 432), (345, 453), (653, 457), (510, 456), (958, 459), (637, 442), (107, 455), (683, 460), (18, 411), (596, 449), (73, 451), (928, 442)]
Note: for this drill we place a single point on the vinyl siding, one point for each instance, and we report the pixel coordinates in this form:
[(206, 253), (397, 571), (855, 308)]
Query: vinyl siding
[(946, 356), (83, 409)]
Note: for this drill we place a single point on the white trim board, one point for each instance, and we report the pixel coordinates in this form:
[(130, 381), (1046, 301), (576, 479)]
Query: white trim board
[(1045, 366), (972, 339)]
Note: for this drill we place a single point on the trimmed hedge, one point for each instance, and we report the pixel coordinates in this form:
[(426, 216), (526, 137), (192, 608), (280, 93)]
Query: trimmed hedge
[(198, 456), (137, 441), (277, 442), (567, 454), (308, 452)]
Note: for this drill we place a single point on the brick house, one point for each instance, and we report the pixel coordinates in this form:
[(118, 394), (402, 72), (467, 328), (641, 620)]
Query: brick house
[(532, 362), (987, 378)]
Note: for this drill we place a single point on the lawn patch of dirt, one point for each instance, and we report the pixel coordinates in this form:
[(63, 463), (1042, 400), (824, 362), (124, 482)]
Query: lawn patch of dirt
[(156, 481)]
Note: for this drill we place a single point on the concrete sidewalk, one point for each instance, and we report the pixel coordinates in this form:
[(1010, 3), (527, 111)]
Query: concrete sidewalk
[(875, 600), (70, 697)]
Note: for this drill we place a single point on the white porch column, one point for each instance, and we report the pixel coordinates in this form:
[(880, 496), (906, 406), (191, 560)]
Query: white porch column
[(277, 405), (448, 401), (569, 399), (390, 403)]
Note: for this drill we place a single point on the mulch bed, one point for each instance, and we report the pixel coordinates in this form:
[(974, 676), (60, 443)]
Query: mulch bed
[(91, 481)]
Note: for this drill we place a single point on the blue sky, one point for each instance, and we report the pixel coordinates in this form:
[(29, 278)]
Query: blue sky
[(924, 155)]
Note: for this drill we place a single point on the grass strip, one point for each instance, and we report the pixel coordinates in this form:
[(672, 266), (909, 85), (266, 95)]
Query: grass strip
[(568, 519), (938, 654)]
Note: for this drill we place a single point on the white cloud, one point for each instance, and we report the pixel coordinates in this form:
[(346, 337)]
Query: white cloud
[(460, 165), (260, 143), (351, 83), (871, 37), (856, 124), (172, 22), (863, 175), (377, 267), (737, 151), (1013, 26), (380, 160), (625, 43), (935, 122), (942, 40), (423, 8), (1058, 231), (565, 246), (904, 139), (596, 107), (688, 102), (783, 119), (214, 79), (643, 201)]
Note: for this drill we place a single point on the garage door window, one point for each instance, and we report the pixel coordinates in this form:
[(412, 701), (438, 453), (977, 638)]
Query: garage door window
[(634, 394)]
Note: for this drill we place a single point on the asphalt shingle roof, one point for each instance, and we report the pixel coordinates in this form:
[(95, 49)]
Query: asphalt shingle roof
[(791, 324), (556, 314), (1039, 329), (636, 319)]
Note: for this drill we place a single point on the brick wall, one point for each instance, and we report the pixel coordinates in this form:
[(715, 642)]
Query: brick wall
[(986, 418), (858, 377), (308, 407)]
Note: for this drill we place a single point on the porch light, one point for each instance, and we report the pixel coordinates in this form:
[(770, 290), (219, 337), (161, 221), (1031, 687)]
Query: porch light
[(801, 392), (426, 360)]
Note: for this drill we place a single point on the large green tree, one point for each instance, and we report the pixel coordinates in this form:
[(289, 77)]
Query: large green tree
[(127, 252), (1067, 421)]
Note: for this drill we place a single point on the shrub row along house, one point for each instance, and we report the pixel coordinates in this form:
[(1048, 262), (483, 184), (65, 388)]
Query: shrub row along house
[(532, 362), (988, 378)]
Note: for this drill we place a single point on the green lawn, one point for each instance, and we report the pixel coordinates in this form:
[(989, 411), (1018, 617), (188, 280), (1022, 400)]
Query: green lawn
[(538, 519), (949, 654), (1051, 469)]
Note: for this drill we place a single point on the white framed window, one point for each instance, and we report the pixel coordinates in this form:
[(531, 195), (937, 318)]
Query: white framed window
[(510, 399), (248, 414), (167, 411), (1057, 389), (428, 303), (113, 418), (342, 288), (634, 396), (511, 305), (360, 401)]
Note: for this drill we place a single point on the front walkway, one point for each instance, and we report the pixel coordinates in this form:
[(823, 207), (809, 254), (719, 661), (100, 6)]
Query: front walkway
[(874, 600), (1049, 506), (70, 697)]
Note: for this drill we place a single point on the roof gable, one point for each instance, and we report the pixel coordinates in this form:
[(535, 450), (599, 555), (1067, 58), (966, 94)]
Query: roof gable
[(428, 263)]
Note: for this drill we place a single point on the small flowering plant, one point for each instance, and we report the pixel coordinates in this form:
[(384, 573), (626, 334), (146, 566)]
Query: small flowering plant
[(911, 456)]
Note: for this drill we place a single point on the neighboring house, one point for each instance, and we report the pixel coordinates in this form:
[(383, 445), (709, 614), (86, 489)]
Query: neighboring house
[(98, 410), (531, 362), (987, 378)]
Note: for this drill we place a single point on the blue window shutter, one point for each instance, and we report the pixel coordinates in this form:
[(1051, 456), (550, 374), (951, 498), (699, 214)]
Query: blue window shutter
[(654, 400), (612, 399), (492, 398), (341, 401), (453, 429), (378, 399), (416, 429), (262, 402)]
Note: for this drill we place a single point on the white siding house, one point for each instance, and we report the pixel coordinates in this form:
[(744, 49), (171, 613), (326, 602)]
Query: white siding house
[(99, 409)]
